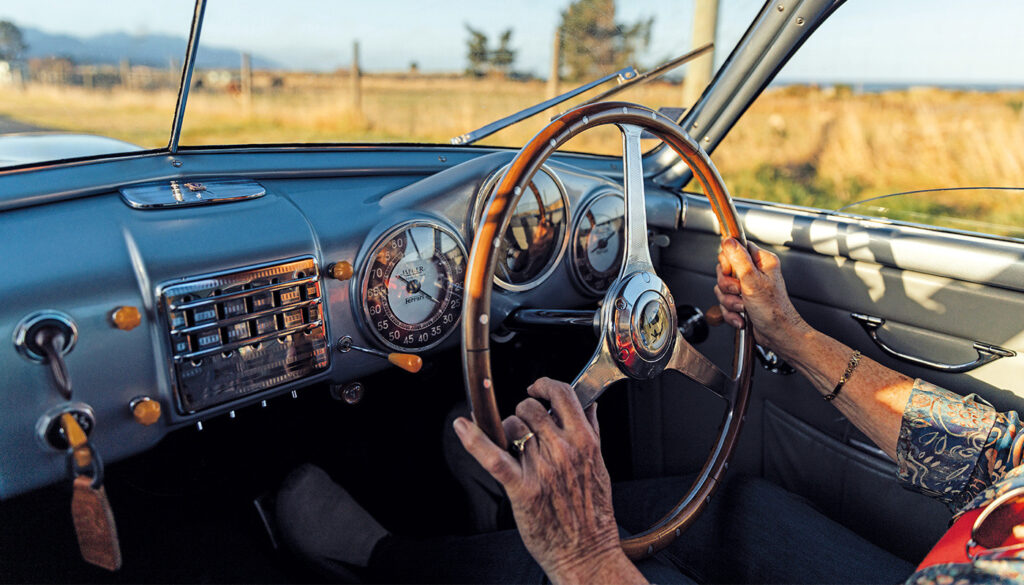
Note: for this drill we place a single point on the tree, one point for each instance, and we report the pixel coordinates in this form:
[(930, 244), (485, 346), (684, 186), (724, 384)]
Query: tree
[(481, 59), (12, 44), (594, 44), (477, 54), (504, 56)]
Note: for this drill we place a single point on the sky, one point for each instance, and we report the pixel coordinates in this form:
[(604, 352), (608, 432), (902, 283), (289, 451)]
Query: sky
[(866, 40)]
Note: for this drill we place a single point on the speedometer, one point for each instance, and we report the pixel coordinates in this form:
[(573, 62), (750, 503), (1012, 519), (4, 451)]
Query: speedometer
[(598, 241), (412, 286)]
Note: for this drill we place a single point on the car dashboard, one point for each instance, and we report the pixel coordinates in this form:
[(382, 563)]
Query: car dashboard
[(313, 268)]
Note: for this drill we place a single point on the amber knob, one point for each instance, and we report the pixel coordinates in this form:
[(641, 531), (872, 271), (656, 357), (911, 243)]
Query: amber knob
[(76, 439), (126, 318), (406, 361), (341, 270), (714, 316), (146, 411)]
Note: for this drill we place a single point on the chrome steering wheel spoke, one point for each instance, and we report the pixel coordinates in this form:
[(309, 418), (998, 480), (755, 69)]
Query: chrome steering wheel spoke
[(696, 366), (637, 256), (599, 373)]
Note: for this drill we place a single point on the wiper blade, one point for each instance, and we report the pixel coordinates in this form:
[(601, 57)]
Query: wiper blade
[(650, 75), (624, 75)]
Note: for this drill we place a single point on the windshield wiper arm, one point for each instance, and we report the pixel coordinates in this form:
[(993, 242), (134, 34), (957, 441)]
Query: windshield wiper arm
[(628, 77), (624, 75), (650, 75)]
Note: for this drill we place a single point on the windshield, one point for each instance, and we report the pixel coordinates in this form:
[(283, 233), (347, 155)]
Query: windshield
[(427, 72), (88, 78), (325, 71)]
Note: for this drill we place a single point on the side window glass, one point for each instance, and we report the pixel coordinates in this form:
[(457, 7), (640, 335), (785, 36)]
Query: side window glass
[(901, 111)]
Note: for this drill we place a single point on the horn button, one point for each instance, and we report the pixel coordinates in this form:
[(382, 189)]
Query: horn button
[(643, 321)]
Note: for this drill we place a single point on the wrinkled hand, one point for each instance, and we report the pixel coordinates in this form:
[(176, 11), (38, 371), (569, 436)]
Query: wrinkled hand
[(559, 489), (752, 282)]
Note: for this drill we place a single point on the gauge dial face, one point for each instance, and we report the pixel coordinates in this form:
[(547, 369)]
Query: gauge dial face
[(536, 236), (412, 286), (598, 242)]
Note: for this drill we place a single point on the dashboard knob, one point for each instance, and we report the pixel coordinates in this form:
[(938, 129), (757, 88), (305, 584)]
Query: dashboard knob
[(406, 361), (145, 410), (341, 270), (125, 318)]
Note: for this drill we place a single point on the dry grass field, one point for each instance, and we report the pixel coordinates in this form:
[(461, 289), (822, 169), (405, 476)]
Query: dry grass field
[(800, 145)]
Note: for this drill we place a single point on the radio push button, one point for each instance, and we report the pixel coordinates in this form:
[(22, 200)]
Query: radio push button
[(288, 296), (265, 324), (208, 339), (292, 318), (261, 301), (234, 308), (204, 315), (181, 344), (238, 331)]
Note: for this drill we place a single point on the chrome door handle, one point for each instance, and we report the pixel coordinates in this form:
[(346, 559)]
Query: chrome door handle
[(986, 352)]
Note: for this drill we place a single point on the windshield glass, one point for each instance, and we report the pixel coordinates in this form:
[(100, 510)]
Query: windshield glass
[(87, 78), (325, 71), (426, 72)]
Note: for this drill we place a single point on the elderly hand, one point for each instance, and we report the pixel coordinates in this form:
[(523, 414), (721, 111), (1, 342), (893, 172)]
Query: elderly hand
[(753, 283), (559, 489)]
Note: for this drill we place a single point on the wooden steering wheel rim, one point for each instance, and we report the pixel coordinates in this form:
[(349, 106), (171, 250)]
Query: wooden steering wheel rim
[(480, 276)]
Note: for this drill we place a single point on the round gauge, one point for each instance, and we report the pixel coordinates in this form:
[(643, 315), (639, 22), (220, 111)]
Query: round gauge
[(598, 242), (412, 286), (536, 236)]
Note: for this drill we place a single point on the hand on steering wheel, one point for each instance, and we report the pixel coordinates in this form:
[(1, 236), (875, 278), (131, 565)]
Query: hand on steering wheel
[(559, 488)]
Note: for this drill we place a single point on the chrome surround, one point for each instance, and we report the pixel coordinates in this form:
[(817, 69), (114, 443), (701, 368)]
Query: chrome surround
[(574, 233), (478, 210), (179, 193), (228, 278), (366, 261), (26, 324), (51, 416)]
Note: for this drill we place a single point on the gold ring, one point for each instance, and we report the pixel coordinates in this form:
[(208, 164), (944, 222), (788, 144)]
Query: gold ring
[(520, 443)]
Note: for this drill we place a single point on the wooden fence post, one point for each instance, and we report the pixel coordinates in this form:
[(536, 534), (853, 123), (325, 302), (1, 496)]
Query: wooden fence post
[(245, 83), (698, 71), (556, 62), (356, 79)]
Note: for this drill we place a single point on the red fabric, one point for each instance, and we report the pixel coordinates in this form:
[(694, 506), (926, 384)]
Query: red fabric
[(952, 547)]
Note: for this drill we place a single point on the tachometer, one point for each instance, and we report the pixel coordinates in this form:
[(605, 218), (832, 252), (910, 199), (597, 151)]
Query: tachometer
[(412, 286), (536, 236), (598, 242)]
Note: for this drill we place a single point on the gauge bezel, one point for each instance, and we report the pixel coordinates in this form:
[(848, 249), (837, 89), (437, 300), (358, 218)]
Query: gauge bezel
[(577, 224), (556, 259), (364, 279)]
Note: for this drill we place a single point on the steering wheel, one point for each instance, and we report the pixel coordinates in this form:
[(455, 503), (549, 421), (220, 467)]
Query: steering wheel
[(639, 336)]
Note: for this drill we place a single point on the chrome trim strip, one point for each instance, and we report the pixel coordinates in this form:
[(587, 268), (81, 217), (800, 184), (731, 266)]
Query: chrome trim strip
[(186, 75), (245, 317), (242, 293), (249, 341), (986, 352)]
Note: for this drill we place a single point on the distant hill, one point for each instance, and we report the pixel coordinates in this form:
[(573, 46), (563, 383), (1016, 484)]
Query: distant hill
[(151, 49)]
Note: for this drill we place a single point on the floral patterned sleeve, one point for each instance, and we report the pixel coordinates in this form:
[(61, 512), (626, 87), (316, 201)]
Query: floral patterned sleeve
[(952, 447)]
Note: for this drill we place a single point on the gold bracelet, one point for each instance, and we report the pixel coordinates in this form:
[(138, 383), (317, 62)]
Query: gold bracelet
[(850, 367)]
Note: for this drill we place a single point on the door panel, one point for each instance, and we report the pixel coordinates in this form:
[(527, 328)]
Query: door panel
[(938, 292)]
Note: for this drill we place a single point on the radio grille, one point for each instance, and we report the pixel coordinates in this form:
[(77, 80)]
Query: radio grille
[(235, 333)]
